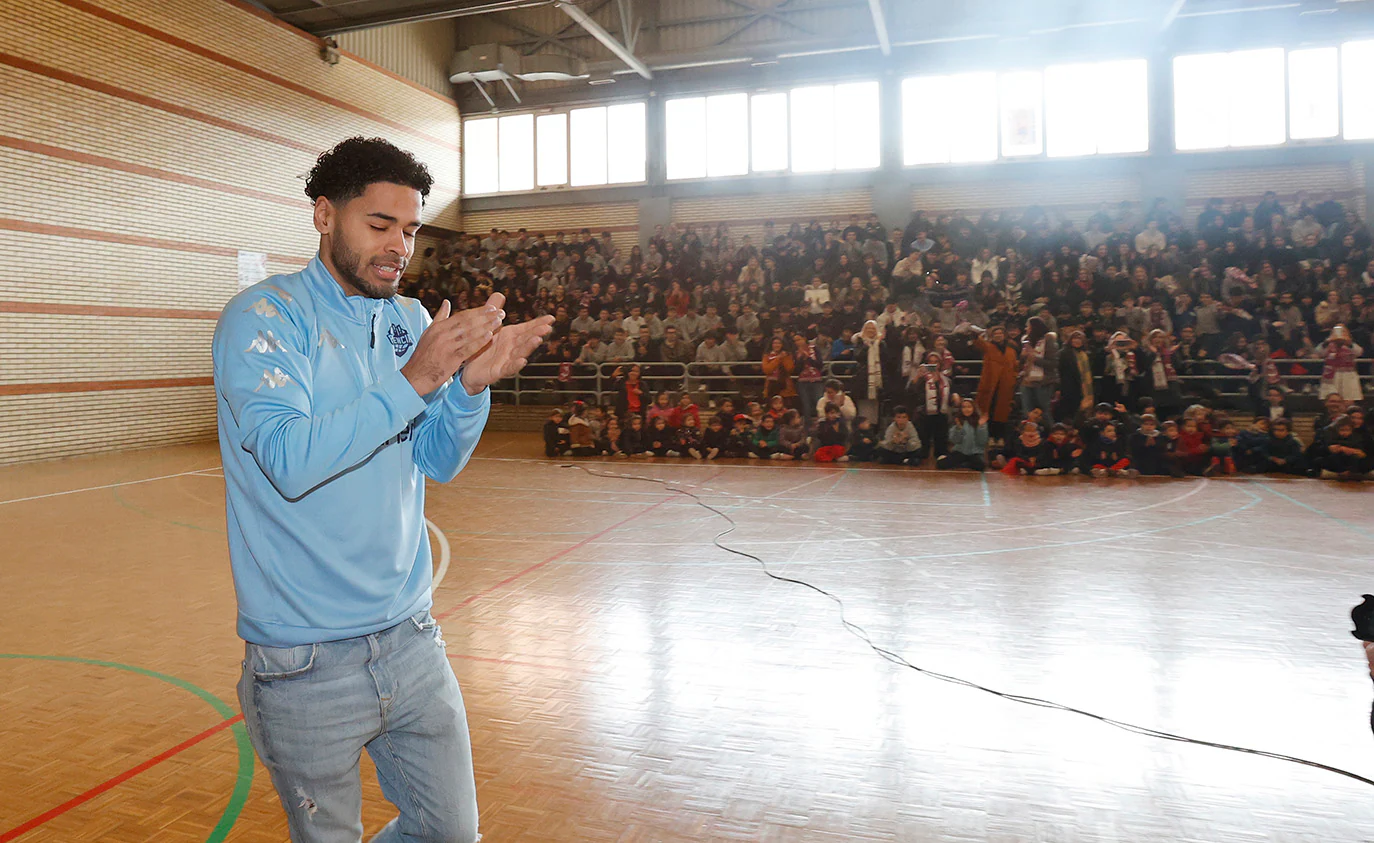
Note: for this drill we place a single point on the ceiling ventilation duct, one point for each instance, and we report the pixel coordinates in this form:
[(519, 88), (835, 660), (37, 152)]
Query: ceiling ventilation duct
[(551, 68), (495, 63)]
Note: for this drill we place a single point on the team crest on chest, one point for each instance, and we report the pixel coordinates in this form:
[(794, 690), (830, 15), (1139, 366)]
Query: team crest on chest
[(400, 339)]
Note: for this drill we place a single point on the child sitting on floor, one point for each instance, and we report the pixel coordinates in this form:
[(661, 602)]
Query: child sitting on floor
[(901, 444), (1107, 457), (1063, 455), (1345, 457), (1193, 451), (715, 441), (555, 435), (1223, 448), (660, 441), (1027, 452), (765, 440), (791, 437), (1252, 446), (1149, 451), (689, 437), (831, 436), (608, 444), (741, 437), (968, 439), (632, 437), (863, 441), (1284, 454), (580, 436)]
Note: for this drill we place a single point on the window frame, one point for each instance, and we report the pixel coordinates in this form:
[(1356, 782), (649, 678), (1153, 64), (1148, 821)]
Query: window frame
[(566, 185), (785, 92), (1002, 158)]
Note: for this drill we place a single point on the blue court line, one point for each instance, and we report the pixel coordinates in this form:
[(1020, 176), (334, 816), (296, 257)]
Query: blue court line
[(1310, 508), (987, 495)]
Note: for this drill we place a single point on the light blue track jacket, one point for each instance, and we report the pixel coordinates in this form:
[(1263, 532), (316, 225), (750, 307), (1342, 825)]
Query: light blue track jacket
[(326, 446)]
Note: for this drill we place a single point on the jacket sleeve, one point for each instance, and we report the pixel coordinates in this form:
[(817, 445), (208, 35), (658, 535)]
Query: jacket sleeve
[(448, 433), (263, 370)]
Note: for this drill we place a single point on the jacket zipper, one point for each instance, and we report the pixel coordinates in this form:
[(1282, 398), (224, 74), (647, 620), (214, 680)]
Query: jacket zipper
[(372, 353)]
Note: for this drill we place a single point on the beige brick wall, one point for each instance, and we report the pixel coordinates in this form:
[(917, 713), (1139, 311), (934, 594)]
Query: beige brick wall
[(143, 143)]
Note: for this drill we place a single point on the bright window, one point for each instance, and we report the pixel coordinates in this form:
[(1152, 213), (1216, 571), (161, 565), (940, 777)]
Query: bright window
[(480, 156), (1022, 113), (1229, 99), (551, 152), (768, 132), (857, 134), (727, 135), (1357, 90), (813, 129), (625, 145), (1122, 88), (949, 119), (516, 143), (582, 147), (1096, 108), (587, 135), (684, 127), (1313, 94), (707, 136)]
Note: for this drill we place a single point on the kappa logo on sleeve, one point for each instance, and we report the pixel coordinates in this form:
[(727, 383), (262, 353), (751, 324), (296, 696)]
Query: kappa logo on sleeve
[(265, 343), (273, 379), (400, 339), (264, 308), (328, 339)]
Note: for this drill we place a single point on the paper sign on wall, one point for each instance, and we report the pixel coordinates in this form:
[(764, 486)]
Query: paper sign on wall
[(252, 268)]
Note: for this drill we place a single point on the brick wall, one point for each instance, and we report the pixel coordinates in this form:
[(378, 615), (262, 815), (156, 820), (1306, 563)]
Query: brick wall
[(143, 143)]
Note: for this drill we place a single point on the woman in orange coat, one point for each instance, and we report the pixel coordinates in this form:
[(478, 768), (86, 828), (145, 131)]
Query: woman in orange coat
[(778, 366), (997, 385)]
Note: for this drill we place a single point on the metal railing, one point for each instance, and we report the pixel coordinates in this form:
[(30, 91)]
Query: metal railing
[(549, 383)]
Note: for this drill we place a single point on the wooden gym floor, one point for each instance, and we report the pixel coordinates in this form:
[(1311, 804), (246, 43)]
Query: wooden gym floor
[(627, 681)]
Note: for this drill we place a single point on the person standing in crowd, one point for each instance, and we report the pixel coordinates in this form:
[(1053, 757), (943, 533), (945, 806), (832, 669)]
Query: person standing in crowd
[(997, 383)]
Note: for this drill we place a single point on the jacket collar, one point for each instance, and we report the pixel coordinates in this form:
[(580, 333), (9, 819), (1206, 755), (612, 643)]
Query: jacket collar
[(327, 292)]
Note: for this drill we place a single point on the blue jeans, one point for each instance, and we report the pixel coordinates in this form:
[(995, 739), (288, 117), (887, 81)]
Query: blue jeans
[(312, 710)]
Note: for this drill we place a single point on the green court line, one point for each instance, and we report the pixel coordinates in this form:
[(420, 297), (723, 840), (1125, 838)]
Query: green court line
[(243, 781)]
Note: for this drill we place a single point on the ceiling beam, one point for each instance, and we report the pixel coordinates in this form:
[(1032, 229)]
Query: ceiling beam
[(607, 40), (880, 26), (439, 12), (1172, 15)]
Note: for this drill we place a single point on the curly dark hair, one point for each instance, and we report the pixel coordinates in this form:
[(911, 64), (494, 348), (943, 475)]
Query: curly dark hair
[(345, 171)]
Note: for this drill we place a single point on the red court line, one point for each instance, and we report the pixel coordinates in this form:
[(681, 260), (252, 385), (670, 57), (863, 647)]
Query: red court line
[(109, 784), (559, 555)]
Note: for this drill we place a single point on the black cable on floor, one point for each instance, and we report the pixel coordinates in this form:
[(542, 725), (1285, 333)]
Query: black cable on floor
[(896, 658)]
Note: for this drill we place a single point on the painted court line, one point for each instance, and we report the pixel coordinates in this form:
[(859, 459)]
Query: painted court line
[(445, 554), (105, 486), (110, 784), (1311, 508), (559, 555)]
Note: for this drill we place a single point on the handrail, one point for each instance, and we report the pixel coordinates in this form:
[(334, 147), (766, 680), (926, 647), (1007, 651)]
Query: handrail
[(593, 380)]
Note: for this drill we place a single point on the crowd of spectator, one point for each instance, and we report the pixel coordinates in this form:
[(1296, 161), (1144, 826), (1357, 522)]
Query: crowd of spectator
[(1105, 349)]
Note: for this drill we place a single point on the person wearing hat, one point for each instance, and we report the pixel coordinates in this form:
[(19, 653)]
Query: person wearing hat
[(1339, 354), (1121, 369)]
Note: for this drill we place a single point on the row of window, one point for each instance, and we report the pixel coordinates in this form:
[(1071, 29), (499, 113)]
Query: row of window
[(584, 147), (1244, 98), (1268, 97)]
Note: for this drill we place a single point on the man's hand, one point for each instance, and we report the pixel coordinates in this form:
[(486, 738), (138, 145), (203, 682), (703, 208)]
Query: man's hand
[(449, 342), (506, 353)]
